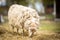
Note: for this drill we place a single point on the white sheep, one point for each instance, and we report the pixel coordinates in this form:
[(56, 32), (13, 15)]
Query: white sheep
[(23, 17)]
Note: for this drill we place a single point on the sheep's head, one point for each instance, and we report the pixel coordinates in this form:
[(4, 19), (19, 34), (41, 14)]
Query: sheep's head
[(32, 23)]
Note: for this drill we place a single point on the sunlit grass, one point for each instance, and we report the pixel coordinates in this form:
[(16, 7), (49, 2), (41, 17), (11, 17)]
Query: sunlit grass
[(50, 26)]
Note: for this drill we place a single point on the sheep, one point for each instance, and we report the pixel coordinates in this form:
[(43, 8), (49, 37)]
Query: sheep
[(22, 17)]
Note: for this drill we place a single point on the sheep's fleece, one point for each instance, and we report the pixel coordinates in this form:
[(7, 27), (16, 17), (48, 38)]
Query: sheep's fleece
[(23, 17)]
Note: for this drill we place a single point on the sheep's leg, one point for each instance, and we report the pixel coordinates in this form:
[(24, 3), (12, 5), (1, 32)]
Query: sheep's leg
[(30, 33), (23, 28), (17, 30), (23, 32), (11, 28)]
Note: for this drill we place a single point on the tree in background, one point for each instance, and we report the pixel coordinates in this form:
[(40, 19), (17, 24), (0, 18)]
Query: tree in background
[(49, 5), (21, 2)]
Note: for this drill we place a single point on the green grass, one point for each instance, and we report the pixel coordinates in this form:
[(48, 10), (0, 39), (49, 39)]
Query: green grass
[(50, 26), (49, 16)]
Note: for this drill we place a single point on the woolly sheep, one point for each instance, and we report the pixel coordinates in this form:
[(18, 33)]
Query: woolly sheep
[(23, 17)]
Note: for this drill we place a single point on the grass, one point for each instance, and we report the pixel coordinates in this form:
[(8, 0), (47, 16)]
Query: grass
[(49, 16), (47, 31), (50, 26)]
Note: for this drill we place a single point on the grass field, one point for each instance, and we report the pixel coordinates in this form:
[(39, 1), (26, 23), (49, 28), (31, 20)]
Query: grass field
[(50, 26), (48, 30)]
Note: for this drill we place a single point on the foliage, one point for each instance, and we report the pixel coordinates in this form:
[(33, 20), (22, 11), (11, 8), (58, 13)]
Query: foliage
[(22, 2), (46, 2)]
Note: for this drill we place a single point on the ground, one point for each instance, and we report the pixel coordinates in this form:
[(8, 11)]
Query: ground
[(48, 30)]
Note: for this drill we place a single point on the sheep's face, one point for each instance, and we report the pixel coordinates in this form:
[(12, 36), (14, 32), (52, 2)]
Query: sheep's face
[(32, 24)]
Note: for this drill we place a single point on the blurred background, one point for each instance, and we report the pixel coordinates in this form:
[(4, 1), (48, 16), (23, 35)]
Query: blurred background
[(49, 19), (44, 7)]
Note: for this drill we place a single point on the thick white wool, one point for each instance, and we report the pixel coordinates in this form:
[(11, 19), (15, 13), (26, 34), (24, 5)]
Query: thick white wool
[(20, 16)]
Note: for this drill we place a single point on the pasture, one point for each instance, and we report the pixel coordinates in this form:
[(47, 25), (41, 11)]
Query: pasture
[(48, 30)]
